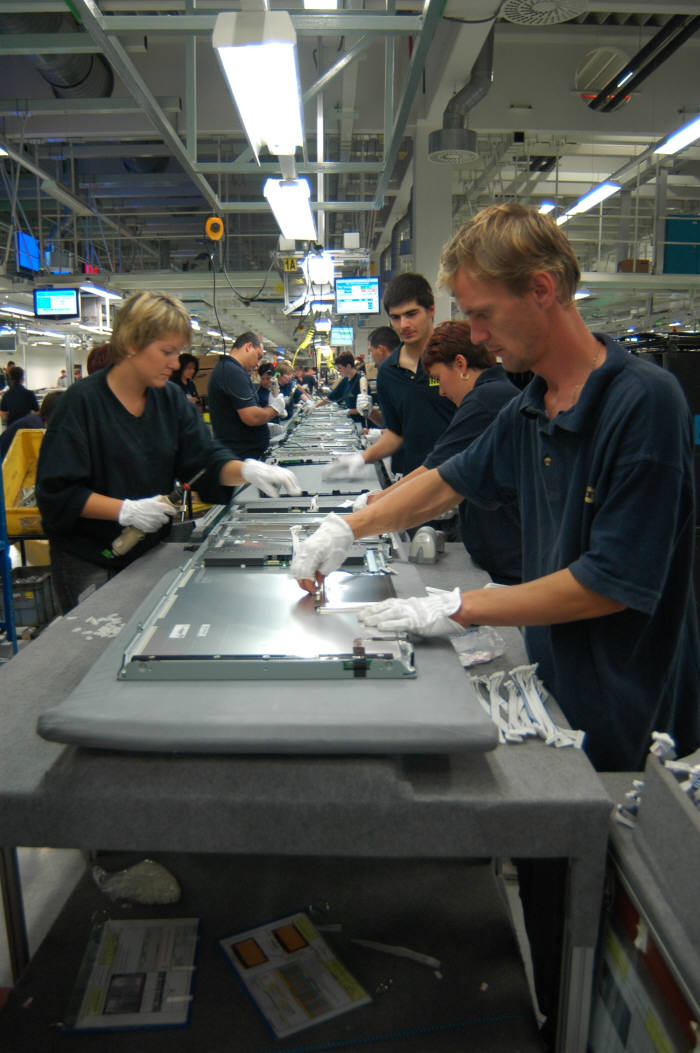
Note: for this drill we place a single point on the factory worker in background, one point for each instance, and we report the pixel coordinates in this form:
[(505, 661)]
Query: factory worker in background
[(414, 414), (470, 377), (237, 418)]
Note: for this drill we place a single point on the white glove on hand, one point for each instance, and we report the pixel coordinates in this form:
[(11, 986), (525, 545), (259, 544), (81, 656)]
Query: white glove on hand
[(277, 403), (373, 435), (148, 513), (360, 501), (269, 478), (324, 551), (351, 465), (423, 615), (363, 403)]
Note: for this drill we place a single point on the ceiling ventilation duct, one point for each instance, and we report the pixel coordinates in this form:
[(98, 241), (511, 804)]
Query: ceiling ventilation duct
[(541, 12), (664, 44), (70, 76), (453, 144)]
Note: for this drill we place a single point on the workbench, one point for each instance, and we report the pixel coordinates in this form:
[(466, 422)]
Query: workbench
[(524, 800)]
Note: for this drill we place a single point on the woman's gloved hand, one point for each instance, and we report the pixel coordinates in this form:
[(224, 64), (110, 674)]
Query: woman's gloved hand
[(423, 615), (147, 513), (269, 478)]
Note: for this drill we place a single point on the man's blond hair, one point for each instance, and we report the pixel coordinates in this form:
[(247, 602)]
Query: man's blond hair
[(507, 244)]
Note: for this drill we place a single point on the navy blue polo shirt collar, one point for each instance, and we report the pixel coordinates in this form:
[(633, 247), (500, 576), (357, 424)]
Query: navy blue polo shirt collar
[(491, 374), (574, 419), (393, 360)]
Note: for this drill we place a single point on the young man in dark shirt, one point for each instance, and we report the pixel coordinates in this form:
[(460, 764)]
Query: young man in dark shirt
[(413, 411)]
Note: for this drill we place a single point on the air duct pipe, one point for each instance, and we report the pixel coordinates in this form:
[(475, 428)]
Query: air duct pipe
[(70, 76), (660, 48), (454, 143)]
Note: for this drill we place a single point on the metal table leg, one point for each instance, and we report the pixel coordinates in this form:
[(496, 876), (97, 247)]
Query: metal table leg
[(13, 908)]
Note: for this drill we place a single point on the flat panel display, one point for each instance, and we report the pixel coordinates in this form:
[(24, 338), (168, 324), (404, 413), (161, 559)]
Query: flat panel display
[(56, 303), (341, 336), (28, 257), (357, 295)]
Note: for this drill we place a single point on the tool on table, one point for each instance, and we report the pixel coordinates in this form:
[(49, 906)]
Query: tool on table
[(364, 390), (180, 497)]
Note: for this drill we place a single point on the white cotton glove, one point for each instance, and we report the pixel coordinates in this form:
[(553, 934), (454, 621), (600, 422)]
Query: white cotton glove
[(269, 478), (147, 514), (363, 403), (324, 551), (277, 403), (360, 501), (373, 435), (423, 615), (350, 465)]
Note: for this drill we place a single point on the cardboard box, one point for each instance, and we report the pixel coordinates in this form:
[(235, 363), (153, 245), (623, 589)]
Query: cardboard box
[(634, 266), (18, 476)]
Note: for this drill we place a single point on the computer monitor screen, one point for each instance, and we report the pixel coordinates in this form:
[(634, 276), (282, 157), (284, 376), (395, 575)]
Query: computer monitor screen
[(28, 257), (56, 303), (341, 336), (357, 295)]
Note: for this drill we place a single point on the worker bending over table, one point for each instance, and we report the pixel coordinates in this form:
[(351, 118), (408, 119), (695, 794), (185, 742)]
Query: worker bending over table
[(118, 441), (597, 455), (469, 376)]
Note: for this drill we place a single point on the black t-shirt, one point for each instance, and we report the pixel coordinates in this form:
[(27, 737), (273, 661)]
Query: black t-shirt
[(413, 408), (230, 389), (18, 402), (93, 444)]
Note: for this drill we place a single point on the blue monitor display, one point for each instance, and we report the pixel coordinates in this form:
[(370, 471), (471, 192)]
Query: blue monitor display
[(357, 295), (28, 258), (341, 336), (56, 303)]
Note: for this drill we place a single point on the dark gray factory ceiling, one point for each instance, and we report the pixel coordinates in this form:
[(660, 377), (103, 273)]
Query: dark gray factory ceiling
[(129, 111)]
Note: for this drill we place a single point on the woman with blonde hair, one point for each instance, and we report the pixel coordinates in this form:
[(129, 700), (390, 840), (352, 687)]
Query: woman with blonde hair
[(122, 438)]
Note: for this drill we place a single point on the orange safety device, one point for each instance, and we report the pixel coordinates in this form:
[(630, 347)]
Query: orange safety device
[(214, 228)]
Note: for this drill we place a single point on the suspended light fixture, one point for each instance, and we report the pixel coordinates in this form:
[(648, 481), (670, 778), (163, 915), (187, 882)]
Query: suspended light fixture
[(257, 54), (683, 137), (594, 197), (547, 207), (289, 201)]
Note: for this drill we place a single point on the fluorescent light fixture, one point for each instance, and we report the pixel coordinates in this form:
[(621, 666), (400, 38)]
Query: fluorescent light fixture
[(97, 290), (546, 207), (3, 152), (194, 324), (581, 294), (564, 218), (19, 312), (683, 137), (257, 54), (322, 325), (319, 268), (624, 80), (289, 200), (65, 197), (321, 5), (594, 197)]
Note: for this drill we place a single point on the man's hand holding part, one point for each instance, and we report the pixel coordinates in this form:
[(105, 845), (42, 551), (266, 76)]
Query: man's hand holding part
[(350, 466), (423, 615), (324, 551)]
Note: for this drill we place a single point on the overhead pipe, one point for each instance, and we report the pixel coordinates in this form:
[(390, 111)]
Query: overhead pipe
[(474, 90), (70, 76), (660, 48)]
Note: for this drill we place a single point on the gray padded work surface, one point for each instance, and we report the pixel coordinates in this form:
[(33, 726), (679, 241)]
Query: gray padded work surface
[(435, 713)]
